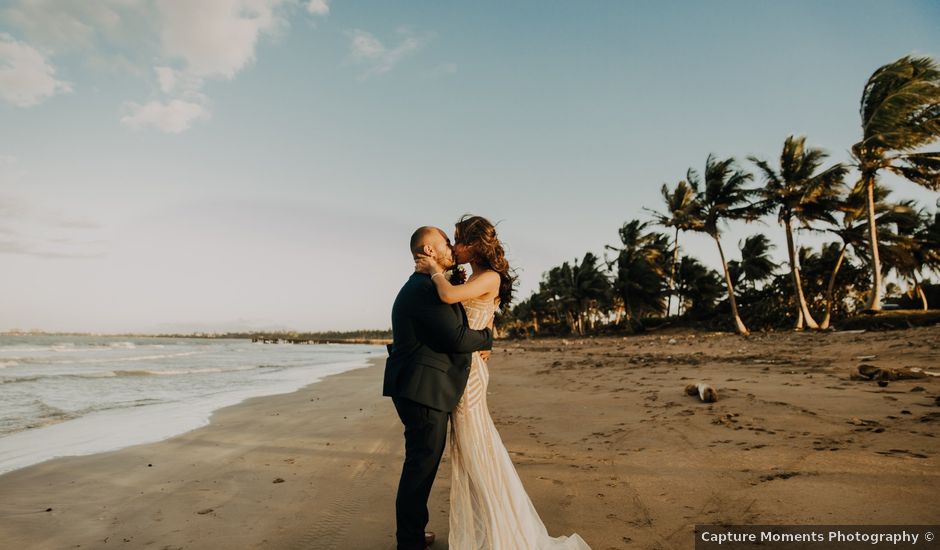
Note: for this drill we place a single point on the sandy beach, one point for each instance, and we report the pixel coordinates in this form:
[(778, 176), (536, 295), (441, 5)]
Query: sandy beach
[(603, 435)]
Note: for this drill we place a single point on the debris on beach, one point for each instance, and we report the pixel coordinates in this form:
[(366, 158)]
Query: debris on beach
[(705, 392), (930, 417), (871, 372), (863, 422), (727, 419)]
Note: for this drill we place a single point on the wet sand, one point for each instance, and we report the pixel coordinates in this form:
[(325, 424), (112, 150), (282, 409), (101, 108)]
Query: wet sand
[(603, 435)]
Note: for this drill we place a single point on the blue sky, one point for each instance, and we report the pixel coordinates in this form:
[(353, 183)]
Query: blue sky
[(258, 163)]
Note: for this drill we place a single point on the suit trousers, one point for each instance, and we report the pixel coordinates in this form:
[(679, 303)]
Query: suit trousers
[(425, 436)]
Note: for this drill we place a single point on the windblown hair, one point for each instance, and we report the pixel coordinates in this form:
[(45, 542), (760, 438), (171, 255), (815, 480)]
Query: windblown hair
[(479, 235)]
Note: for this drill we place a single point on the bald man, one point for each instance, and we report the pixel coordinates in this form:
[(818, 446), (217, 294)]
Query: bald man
[(425, 375)]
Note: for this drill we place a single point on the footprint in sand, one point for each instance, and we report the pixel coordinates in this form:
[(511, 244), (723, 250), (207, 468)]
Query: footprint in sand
[(902, 453), (779, 475)]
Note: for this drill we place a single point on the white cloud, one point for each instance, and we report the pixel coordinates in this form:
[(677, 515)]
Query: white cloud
[(26, 78), (104, 31), (167, 78), (211, 39), (61, 25), (180, 84), (318, 7), (366, 49), (172, 117), (184, 42), (215, 38)]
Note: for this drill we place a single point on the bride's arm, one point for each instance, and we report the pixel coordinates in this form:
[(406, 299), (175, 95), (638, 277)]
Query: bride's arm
[(487, 283)]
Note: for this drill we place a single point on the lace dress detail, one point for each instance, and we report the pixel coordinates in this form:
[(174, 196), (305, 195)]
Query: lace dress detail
[(489, 508)]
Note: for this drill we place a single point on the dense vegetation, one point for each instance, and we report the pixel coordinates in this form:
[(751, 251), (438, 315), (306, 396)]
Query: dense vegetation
[(648, 281)]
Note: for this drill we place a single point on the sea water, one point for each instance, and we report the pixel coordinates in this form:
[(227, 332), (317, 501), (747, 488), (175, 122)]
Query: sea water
[(76, 395)]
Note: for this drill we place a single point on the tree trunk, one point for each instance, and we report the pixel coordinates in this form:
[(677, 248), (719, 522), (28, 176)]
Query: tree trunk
[(832, 285), (672, 275), (923, 296), (919, 290), (805, 315), (874, 301), (580, 319), (739, 324), (628, 310)]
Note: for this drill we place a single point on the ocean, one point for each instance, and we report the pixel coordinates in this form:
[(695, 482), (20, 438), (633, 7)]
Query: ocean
[(77, 395)]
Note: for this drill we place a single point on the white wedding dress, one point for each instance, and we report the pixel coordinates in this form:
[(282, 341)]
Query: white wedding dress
[(489, 508)]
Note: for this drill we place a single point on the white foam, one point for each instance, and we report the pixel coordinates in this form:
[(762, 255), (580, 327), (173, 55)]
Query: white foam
[(142, 372), (125, 359), (109, 430), (123, 345)]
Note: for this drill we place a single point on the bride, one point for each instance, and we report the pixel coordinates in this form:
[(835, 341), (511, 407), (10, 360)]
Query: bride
[(489, 508)]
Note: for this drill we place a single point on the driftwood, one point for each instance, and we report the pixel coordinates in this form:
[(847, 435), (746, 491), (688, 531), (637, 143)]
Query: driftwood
[(705, 392), (871, 372)]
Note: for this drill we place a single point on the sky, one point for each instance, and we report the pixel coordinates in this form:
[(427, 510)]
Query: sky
[(169, 165)]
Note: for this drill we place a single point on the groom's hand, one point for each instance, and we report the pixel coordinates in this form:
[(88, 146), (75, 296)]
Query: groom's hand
[(485, 355)]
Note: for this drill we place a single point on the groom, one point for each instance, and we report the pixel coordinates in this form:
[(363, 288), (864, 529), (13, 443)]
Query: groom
[(425, 375)]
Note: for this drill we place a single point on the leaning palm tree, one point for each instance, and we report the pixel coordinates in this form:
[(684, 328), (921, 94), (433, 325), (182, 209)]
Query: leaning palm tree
[(853, 228), (800, 192), (900, 113), (722, 198), (678, 204)]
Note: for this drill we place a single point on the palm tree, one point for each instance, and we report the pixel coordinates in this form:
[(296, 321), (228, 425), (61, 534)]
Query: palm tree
[(755, 265), (853, 228), (798, 191), (834, 266), (527, 313), (721, 199), (900, 113), (573, 288), (697, 287), (590, 285), (678, 204), (639, 268), (910, 250)]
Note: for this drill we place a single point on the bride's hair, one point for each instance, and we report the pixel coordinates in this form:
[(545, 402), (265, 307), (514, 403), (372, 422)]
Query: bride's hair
[(479, 235)]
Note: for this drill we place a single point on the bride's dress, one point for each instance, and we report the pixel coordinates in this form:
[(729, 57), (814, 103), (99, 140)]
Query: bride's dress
[(489, 508)]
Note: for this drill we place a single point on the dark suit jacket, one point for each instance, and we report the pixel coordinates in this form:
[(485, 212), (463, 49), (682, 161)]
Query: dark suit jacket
[(429, 357)]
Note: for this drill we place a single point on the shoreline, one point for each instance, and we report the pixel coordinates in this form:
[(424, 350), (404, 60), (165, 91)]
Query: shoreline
[(605, 440), (119, 495), (117, 428)]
